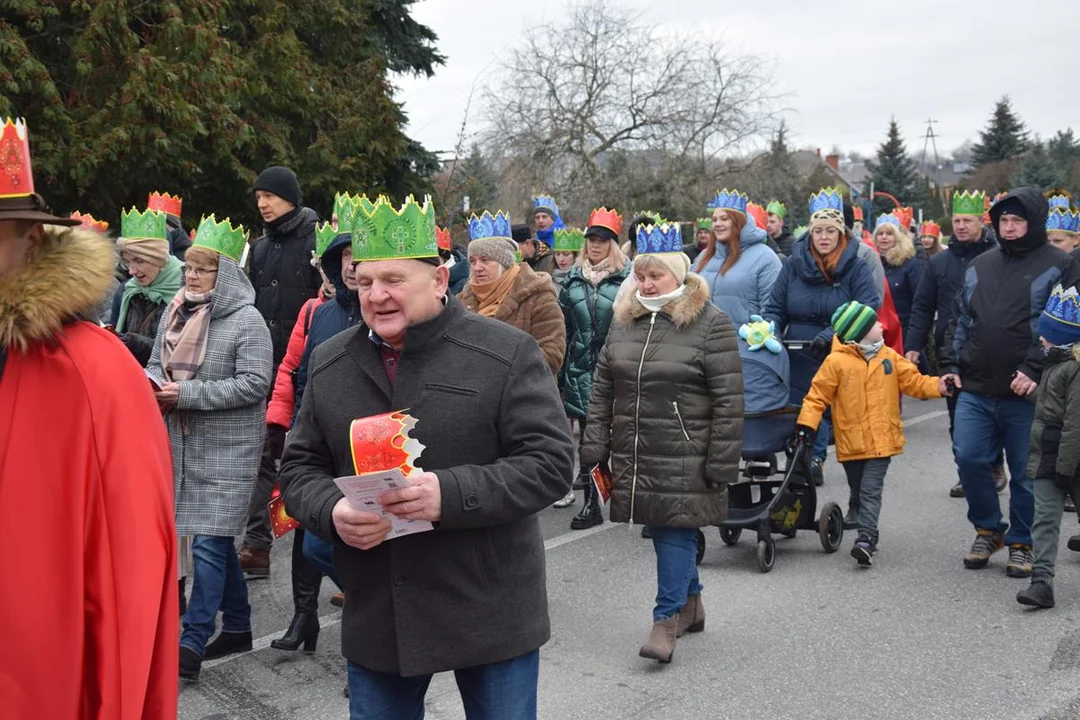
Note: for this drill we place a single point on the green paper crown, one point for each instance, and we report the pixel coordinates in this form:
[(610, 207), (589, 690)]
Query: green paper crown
[(324, 236), (147, 225), (221, 237), (969, 203), (345, 207), (704, 224), (379, 232), (569, 240), (777, 208)]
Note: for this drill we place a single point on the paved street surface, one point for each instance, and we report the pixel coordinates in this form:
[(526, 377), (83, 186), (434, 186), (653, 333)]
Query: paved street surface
[(916, 636)]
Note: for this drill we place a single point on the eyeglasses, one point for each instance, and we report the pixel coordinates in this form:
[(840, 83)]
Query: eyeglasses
[(199, 272), (126, 263)]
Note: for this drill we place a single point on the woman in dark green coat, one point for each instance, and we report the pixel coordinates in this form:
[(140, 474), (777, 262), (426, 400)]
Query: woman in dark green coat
[(667, 413), (587, 298)]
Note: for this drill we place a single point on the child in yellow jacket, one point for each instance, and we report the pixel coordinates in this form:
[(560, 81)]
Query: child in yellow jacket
[(861, 380)]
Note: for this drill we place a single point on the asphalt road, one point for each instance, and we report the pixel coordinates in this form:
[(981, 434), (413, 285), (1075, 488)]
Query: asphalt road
[(916, 636)]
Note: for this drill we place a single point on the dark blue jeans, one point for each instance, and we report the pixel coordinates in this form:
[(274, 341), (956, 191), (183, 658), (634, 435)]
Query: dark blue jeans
[(821, 442), (321, 555), (499, 691), (984, 427), (218, 585), (676, 569)]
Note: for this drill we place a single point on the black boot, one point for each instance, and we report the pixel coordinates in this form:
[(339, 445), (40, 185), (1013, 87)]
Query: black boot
[(183, 597), (190, 664), (590, 514), (303, 630), (227, 643)]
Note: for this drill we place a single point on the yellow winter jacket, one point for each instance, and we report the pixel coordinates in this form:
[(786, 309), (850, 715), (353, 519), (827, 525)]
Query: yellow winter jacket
[(865, 400)]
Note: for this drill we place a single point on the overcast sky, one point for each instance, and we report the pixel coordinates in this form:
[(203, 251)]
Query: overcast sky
[(845, 67)]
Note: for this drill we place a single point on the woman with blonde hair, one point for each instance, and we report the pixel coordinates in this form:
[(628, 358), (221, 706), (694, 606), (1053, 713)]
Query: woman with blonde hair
[(903, 269)]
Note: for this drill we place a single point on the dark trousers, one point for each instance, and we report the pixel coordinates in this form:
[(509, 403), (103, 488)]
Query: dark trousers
[(306, 578), (257, 534)]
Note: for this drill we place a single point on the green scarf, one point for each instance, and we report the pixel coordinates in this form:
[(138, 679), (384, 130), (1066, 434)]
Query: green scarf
[(161, 291)]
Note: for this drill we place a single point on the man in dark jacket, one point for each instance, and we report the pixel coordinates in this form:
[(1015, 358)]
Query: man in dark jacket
[(778, 233), (284, 279), (496, 452), (992, 353), (934, 297)]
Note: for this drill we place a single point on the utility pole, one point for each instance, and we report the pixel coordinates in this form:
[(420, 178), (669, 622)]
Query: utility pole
[(929, 141)]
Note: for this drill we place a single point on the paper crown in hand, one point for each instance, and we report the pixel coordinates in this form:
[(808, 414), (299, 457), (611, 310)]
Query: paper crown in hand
[(826, 199), (442, 239), (166, 203), (383, 442), (490, 226), (16, 174), (221, 237), (969, 202), (930, 228), (760, 334), (857, 214), (89, 222), (657, 239), (569, 240), (325, 235), (887, 219), (381, 232), (1063, 221), (146, 225), (777, 208), (602, 217), (760, 215), (547, 204), (729, 200)]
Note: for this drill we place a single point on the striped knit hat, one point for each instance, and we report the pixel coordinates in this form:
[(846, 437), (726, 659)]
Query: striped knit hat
[(852, 321)]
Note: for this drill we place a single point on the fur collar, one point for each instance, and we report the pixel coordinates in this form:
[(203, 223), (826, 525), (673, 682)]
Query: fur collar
[(901, 252), (683, 310), (65, 277)]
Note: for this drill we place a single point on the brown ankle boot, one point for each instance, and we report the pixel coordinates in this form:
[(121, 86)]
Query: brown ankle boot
[(661, 643), (691, 616)]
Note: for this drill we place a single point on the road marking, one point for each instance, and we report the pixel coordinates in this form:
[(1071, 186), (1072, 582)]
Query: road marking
[(566, 538)]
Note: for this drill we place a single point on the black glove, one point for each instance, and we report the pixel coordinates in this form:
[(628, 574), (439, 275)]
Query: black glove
[(819, 348), (275, 440), (1064, 482), (803, 436)]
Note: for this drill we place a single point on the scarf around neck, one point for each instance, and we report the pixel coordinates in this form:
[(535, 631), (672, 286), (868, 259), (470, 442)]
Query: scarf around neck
[(163, 288), (597, 273), (490, 295), (183, 348), (656, 303)]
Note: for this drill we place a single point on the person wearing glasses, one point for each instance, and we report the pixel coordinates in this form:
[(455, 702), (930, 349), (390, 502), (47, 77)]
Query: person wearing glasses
[(213, 362)]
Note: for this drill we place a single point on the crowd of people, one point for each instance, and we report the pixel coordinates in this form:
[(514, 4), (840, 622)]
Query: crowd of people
[(536, 359)]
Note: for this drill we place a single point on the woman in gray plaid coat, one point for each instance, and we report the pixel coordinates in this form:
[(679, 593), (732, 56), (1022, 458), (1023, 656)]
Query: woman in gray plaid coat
[(213, 360)]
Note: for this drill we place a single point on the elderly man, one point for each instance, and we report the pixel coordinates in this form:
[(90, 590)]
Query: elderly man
[(993, 354), (85, 480), (497, 451)]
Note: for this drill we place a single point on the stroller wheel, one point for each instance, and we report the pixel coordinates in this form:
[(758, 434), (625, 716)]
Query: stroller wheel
[(730, 536), (766, 555), (831, 527), (700, 546)]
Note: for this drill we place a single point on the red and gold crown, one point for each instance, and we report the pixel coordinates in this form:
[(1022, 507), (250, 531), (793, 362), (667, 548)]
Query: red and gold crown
[(16, 174), (442, 238), (166, 203), (758, 213), (89, 222), (905, 215), (930, 228), (607, 219)]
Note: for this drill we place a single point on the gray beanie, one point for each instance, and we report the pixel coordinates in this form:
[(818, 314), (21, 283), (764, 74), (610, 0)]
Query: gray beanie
[(501, 250)]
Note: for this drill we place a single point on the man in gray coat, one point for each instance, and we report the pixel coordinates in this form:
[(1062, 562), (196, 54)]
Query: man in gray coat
[(469, 596)]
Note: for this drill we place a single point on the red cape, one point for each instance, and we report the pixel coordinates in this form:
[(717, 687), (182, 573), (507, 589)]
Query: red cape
[(88, 596)]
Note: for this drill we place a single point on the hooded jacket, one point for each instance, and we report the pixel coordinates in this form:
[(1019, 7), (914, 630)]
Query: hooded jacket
[(667, 408), (282, 275), (993, 332), (785, 241), (903, 272), (1055, 432), (937, 288), (745, 288), (82, 449)]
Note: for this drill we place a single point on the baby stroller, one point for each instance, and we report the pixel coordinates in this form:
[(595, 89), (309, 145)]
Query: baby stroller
[(770, 500)]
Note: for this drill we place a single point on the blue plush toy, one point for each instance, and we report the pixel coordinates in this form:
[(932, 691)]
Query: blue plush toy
[(760, 334)]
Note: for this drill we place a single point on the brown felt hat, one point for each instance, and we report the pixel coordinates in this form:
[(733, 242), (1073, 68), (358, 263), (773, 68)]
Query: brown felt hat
[(34, 208)]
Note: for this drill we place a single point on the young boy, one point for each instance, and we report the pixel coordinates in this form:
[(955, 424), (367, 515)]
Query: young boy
[(1055, 439), (861, 380)]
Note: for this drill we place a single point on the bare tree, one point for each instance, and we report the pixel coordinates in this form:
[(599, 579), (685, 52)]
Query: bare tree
[(605, 88)]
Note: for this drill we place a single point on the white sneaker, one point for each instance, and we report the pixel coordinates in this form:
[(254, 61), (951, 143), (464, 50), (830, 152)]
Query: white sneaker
[(567, 500)]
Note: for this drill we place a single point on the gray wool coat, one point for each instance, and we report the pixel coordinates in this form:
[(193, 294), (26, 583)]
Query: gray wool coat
[(473, 591), (216, 463)]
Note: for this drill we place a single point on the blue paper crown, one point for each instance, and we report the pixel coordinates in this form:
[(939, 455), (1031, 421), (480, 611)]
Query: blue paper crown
[(545, 202), (729, 200), (826, 199), (663, 238), (887, 219), (488, 226), (1064, 306), (1066, 220), (1059, 202)]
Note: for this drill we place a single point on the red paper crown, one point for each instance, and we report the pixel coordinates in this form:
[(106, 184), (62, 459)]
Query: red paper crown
[(758, 213), (166, 203), (905, 215), (89, 222), (442, 238), (930, 228), (857, 214), (16, 174), (608, 219)]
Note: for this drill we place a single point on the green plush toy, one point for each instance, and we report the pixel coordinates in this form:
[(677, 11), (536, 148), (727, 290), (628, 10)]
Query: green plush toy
[(761, 334)]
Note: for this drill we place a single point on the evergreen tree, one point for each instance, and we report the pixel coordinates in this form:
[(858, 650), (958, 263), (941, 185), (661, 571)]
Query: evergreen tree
[(1004, 139), (197, 97), (1038, 169), (479, 180), (1064, 152), (894, 172), (780, 180)]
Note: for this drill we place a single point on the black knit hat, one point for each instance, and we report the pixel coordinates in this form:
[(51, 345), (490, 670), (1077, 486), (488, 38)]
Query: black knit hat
[(520, 233), (281, 181)]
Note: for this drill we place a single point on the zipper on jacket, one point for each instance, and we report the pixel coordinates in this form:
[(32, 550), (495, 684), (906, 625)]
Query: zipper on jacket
[(637, 418), (682, 425)]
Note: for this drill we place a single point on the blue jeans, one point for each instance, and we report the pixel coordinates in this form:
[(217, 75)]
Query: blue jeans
[(984, 426), (821, 442), (676, 569), (499, 691), (321, 555), (218, 585)]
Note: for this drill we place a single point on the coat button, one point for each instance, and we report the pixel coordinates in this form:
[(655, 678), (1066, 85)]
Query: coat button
[(471, 501), (273, 283), (398, 580), (277, 246)]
